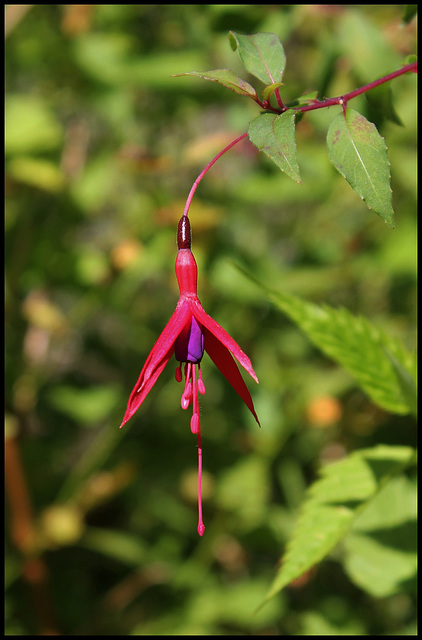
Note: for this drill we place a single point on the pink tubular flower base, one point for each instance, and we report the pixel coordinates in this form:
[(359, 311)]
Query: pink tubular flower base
[(189, 332)]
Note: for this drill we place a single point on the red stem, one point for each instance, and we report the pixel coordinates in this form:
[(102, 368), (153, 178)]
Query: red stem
[(204, 171), (348, 96)]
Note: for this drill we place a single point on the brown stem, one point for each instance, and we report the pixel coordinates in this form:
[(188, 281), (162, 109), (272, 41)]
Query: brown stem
[(22, 531)]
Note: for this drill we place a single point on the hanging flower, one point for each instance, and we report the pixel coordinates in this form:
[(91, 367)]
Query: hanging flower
[(189, 332)]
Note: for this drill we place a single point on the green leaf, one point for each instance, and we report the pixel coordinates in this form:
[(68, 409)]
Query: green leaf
[(360, 347), (380, 549), (333, 502), (86, 406), (407, 383), (30, 127), (109, 58), (227, 78), (268, 91), (358, 152), (305, 99), (275, 136), (119, 545), (37, 172), (369, 52), (248, 477), (262, 54)]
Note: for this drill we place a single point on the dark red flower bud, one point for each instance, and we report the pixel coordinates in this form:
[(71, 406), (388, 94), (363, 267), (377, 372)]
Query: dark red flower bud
[(184, 237)]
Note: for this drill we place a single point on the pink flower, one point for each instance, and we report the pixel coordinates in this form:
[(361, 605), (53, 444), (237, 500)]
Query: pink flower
[(189, 332)]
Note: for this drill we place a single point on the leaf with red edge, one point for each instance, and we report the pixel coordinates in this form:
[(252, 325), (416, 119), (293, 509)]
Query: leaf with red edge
[(226, 78), (268, 91)]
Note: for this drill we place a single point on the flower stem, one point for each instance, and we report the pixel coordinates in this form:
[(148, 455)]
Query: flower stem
[(204, 171)]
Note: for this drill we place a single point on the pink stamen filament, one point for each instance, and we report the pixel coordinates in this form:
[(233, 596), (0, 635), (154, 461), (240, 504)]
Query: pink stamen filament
[(201, 526), (190, 395), (187, 393)]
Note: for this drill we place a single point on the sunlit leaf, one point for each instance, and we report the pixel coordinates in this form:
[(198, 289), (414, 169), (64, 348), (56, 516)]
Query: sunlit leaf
[(359, 153), (333, 502), (36, 172), (381, 547), (362, 348), (262, 54), (30, 126), (275, 136), (86, 406), (268, 91), (226, 78)]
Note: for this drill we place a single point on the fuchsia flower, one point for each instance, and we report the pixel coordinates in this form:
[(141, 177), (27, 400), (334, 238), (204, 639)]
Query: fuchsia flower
[(189, 332)]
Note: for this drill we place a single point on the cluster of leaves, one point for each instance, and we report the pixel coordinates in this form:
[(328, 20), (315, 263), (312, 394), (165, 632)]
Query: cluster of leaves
[(355, 147), (102, 145)]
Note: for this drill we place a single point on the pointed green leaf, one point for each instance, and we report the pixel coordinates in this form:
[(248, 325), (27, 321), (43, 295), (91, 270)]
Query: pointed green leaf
[(275, 136), (262, 54), (358, 152), (333, 502), (119, 545), (360, 347), (227, 78)]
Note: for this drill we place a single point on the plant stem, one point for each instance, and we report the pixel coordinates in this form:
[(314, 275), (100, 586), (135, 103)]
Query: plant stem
[(367, 87), (204, 171), (279, 100), (23, 534)]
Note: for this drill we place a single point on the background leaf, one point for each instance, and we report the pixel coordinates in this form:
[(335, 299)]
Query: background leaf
[(381, 547), (359, 153), (30, 125), (333, 502), (357, 345), (262, 54), (275, 136)]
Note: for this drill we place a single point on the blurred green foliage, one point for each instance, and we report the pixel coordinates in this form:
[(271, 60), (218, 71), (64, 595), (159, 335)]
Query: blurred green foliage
[(102, 147)]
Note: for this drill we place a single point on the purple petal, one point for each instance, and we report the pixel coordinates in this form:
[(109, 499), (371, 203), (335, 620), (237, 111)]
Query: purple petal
[(189, 346), (213, 327)]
